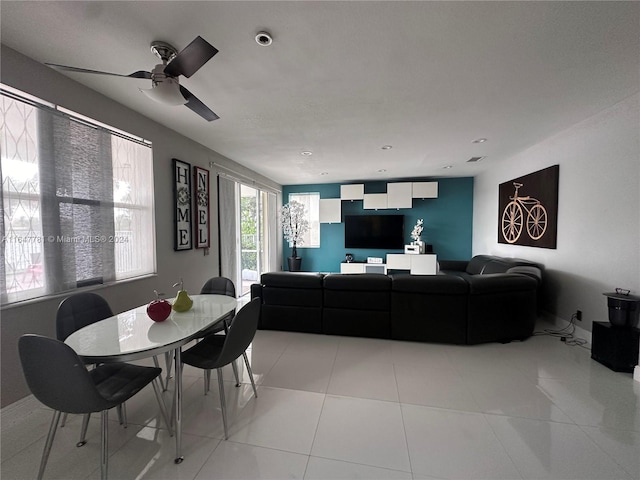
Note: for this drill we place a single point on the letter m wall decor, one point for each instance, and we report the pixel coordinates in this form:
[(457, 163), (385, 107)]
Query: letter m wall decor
[(201, 207), (183, 216), (528, 209)]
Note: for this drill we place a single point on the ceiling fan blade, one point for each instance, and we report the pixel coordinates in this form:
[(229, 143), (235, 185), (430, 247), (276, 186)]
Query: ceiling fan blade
[(138, 74), (191, 58), (197, 106)]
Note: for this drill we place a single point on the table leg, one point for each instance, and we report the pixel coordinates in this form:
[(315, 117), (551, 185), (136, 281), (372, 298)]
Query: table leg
[(178, 404)]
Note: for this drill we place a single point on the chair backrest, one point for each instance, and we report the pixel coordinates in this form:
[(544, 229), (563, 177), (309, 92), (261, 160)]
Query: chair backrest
[(219, 286), (78, 311), (241, 333), (57, 377)]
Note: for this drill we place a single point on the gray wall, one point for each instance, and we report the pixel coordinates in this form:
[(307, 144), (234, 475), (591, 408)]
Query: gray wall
[(598, 211), (39, 317)]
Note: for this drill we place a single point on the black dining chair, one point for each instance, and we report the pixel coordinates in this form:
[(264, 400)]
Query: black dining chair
[(78, 311), (217, 351), (220, 286), (59, 379)]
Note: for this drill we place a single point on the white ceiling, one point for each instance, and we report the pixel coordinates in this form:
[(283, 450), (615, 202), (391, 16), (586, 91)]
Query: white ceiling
[(344, 78)]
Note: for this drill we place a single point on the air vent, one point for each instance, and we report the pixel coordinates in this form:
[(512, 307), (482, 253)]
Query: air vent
[(475, 159)]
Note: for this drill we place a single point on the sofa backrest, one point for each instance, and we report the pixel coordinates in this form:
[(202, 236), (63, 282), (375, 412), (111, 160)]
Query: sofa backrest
[(477, 264), (365, 291)]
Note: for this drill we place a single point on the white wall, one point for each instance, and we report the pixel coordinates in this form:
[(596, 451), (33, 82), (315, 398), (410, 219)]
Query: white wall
[(39, 317), (598, 245)]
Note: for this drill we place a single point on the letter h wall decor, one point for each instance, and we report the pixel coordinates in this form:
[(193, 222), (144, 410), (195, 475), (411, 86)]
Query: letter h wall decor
[(191, 214)]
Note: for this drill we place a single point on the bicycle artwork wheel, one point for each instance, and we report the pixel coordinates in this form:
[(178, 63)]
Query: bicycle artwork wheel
[(512, 222), (537, 222)]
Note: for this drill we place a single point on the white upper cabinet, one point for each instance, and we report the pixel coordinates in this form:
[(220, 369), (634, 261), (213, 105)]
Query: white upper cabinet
[(425, 190), (399, 195), (330, 210), (352, 192), (374, 201)]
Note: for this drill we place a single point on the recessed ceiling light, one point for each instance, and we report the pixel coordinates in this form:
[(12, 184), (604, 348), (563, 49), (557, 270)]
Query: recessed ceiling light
[(382, 170), (386, 147), (447, 166), (264, 39), (306, 153), (480, 140)]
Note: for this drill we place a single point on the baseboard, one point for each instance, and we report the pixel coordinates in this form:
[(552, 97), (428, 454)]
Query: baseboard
[(558, 323), (636, 373)]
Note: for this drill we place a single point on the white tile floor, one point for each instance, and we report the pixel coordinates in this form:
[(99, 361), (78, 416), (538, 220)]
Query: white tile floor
[(337, 408)]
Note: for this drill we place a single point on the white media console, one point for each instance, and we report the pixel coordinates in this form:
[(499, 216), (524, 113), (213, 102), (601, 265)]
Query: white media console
[(425, 264)]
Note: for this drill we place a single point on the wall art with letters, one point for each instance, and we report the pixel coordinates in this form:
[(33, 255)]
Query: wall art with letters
[(183, 215), (201, 207)]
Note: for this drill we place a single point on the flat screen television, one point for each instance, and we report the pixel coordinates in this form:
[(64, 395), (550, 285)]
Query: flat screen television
[(374, 231)]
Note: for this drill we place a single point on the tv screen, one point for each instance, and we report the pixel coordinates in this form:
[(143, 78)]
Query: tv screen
[(374, 231)]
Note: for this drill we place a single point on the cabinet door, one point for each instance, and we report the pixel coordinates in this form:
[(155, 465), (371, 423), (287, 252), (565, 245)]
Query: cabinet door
[(374, 201), (424, 264), (352, 267), (352, 192), (425, 190), (399, 195), (330, 210), (399, 261)]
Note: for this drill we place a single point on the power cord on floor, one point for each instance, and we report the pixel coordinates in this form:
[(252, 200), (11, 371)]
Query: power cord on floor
[(566, 334)]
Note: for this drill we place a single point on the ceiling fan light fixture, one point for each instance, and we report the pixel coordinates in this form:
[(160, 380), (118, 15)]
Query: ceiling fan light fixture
[(166, 92)]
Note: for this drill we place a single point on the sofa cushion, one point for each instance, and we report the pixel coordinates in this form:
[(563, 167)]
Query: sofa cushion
[(359, 282), (292, 279), (367, 291), (429, 308), (357, 305), (444, 284)]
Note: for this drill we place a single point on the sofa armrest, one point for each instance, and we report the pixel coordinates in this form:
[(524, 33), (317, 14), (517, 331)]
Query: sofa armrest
[(530, 271), (256, 291)]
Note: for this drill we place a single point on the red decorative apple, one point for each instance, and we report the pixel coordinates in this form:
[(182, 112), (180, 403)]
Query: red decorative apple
[(159, 309)]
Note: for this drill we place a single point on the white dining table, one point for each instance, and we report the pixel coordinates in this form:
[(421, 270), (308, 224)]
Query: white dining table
[(132, 335)]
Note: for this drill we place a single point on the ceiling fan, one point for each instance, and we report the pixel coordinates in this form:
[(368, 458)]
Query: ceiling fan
[(165, 87)]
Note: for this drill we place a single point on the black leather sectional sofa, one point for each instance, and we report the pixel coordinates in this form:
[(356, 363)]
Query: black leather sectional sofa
[(487, 299)]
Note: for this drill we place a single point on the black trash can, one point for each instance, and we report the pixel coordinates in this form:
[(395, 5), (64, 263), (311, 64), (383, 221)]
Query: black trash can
[(623, 308)]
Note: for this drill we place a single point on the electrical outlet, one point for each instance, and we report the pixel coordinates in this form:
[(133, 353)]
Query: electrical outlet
[(579, 315)]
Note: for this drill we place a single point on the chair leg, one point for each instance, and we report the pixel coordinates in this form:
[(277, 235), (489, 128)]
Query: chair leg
[(235, 373), (207, 381), (64, 420), (156, 363), (83, 431), (233, 364), (223, 403), (122, 414), (161, 404), (104, 444), (47, 445), (253, 384)]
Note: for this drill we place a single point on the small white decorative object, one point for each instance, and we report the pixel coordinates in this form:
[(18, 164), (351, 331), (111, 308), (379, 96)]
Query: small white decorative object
[(412, 249), (374, 260), (417, 230)]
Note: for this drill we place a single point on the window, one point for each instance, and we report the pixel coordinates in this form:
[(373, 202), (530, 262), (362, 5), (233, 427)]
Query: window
[(311, 202), (77, 201)]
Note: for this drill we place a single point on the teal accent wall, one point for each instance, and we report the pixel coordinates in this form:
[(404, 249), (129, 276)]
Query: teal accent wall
[(448, 223)]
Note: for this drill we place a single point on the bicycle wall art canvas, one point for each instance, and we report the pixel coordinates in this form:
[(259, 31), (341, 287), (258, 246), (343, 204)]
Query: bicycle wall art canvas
[(528, 209)]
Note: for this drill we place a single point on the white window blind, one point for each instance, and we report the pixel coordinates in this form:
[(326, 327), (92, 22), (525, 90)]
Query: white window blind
[(311, 202), (77, 202)]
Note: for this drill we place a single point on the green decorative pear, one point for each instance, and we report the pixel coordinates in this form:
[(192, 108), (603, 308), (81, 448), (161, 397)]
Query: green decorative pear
[(183, 302)]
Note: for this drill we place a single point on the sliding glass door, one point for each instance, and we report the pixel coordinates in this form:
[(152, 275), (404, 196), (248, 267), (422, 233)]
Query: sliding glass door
[(248, 240)]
